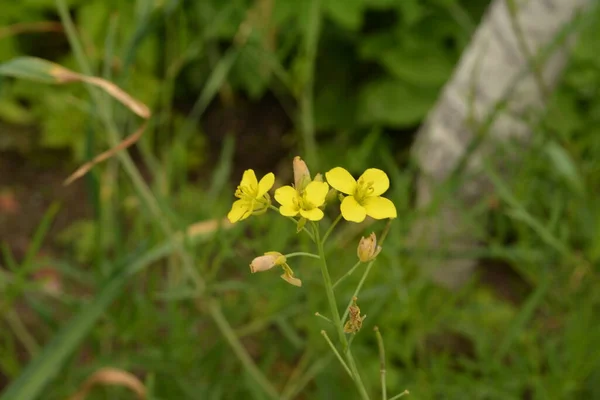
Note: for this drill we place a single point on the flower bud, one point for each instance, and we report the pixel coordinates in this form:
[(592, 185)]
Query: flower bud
[(331, 196), (355, 320), (266, 262), (301, 174), (367, 248)]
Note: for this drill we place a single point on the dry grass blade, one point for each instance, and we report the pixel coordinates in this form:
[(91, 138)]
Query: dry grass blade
[(128, 141), (30, 27), (209, 226), (111, 377), (64, 75), (40, 70)]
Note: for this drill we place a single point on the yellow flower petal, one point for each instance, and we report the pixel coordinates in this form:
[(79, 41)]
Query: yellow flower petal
[(265, 184), (239, 210), (341, 180), (380, 207), (379, 179), (352, 211), (291, 280), (315, 193), (314, 215), (288, 211), (249, 179), (286, 195)]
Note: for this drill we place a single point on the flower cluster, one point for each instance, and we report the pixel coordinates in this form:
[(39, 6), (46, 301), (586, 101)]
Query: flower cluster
[(306, 200)]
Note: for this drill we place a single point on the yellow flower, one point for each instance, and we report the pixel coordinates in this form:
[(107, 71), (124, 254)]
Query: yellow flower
[(306, 203), (363, 195), (252, 195)]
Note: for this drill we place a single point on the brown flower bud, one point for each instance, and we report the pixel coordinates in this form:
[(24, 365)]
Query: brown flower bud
[(301, 174), (355, 320), (266, 262), (367, 248)]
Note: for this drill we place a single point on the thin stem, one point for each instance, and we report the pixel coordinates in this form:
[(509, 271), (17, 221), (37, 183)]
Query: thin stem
[(384, 234), (301, 253), (400, 395), (534, 65), (337, 354), (301, 382), (318, 314), (339, 217), (358, 288), (381, 362), (295, 221), (239, 350), (21, 333), (347, 274), (336, 316), (311, 39)]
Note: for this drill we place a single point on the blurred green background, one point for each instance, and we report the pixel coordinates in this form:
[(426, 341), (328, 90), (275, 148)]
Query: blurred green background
[(90, 276)]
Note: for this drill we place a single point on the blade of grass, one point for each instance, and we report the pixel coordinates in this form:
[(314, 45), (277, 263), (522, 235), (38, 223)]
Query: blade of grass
[(311, 41), (48, 363), (523, 317)]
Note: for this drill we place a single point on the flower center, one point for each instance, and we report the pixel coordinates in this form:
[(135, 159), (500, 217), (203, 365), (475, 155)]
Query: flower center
[(363, 190), (301, 203), (246, 192)]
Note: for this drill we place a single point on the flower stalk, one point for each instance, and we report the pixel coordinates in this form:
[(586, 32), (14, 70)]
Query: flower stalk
[(337, 321)]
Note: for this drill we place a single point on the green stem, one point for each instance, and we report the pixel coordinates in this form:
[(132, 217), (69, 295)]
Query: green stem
[(272, 207), (337, 353), (301, 253), (336, 316), (339, 217), (239, 350), (357, 290), (317, 314), (347, 274), (400, 395), (381, 363), (311, 40), (384, 234)]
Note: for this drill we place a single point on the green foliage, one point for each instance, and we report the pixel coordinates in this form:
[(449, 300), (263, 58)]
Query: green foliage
[(126, 299)]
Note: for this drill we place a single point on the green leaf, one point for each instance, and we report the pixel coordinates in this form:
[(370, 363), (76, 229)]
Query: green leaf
[(394, 103), (31, 68), (425, 67), (346, 13), (380, 4), (562, 162)]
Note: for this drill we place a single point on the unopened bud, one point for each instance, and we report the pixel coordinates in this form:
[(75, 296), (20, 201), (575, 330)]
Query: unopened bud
[(266, 262), (300, 225), (301, 174), (331, 196), (367, 248)]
